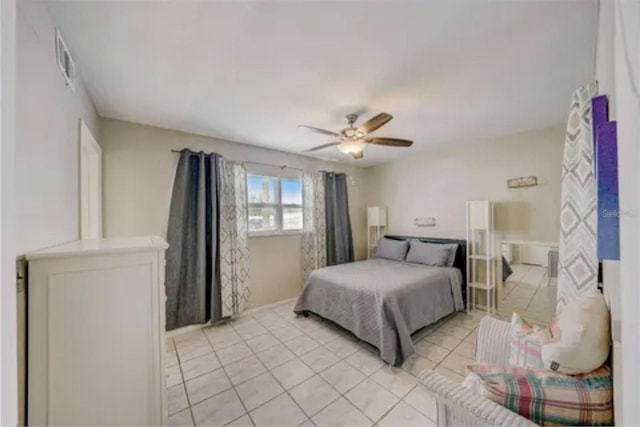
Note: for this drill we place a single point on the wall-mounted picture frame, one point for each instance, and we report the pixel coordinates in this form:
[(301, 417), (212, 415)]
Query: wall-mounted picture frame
[(522, 181)]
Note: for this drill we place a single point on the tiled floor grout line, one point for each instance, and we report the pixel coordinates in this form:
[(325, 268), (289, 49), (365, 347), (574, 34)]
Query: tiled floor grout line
[(270, 373), (536, 291), (268, 370), (184, 383), (247, 412), (340, 359), (314, 374), (307, 333)]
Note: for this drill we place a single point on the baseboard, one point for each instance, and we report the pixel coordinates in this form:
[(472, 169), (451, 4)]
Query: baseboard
[(186, 329), (262, 307)]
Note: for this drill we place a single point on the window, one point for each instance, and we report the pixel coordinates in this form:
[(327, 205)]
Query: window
[(275, 204)]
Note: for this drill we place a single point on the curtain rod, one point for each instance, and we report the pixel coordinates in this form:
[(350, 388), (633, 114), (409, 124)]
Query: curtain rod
[(281, 167)]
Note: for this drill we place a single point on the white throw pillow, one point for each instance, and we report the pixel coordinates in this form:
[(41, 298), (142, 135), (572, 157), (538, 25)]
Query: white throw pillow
[(577, 340)]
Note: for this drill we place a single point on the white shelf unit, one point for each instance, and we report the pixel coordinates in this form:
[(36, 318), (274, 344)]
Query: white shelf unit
[(376, 227), (481, 254)]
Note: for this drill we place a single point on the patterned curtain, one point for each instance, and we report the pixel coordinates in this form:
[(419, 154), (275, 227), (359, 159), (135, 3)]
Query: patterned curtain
[(314, 249), (234, 251), (578, 262)]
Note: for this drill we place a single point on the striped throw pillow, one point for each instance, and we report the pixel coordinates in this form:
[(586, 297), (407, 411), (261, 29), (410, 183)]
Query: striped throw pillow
[(526, 343), (546, 397)]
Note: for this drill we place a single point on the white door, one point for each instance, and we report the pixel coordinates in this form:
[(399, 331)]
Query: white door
[(90, 185)]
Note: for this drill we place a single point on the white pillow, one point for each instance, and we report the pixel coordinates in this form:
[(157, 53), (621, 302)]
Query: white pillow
[(577, 340)]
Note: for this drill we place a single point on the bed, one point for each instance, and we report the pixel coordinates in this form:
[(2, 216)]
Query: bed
[(383, 302)]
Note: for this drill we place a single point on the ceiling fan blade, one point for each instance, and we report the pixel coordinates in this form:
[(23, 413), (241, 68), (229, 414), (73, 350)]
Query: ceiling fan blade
[(318, 130), (320, 147), (358, 155), (391, 142), (375, 123)]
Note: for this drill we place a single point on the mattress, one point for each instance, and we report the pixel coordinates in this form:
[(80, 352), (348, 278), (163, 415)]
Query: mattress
[(383, 302)]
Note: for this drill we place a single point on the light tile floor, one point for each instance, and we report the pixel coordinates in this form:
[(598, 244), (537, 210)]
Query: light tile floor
[(529, 291), (273, 368)]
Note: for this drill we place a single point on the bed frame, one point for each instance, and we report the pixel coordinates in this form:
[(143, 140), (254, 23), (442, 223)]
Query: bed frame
[(461, 255)]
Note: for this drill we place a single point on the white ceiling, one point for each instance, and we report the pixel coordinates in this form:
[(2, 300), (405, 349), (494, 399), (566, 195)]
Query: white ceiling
[(250, 71)]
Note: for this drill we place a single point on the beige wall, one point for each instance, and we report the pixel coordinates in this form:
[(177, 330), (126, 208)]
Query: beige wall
[(138, 176), (47, 129), (46, 150), (439, 183)]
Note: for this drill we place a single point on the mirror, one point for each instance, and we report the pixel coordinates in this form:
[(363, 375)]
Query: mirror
[(530, 274)]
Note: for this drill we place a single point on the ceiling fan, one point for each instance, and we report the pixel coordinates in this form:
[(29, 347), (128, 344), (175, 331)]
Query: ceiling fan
[(353, 141)]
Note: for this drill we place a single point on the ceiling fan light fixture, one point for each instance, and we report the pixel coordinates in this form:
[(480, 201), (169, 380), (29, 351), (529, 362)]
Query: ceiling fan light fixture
[(352, 147), (353, 141)]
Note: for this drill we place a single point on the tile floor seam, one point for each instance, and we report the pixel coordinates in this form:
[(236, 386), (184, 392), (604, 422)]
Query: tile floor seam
[(279, 383), (390, 409), (184, 385), (246, 411), (239, 398), (373, 422), (538, 286)]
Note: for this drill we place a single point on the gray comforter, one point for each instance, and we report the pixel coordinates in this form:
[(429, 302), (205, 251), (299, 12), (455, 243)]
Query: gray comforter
[(383, 302)]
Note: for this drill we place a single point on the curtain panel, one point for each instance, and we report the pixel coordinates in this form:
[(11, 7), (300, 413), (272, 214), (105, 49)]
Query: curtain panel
[(192, 234), (234, 249), (207, 260), (338, 223), (577, 258), (314, 237)]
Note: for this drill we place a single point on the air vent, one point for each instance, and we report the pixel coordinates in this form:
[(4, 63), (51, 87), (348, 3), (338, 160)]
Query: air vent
[(65, 62)]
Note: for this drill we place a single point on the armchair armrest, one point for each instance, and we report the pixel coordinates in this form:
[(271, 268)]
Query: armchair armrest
[(493, 342), (458, 406)]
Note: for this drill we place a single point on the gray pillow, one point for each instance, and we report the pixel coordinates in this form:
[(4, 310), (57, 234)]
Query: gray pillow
[(391, 249), (453, 248), (428, 254)]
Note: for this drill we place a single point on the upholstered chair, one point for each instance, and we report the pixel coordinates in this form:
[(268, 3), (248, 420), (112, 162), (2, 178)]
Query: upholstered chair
[(458, 406)]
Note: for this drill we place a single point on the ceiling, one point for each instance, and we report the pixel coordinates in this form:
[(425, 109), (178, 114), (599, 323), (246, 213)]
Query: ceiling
[(451, 72)]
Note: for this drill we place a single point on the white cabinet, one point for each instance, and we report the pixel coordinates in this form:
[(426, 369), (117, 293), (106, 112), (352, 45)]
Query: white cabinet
[(96, 341)]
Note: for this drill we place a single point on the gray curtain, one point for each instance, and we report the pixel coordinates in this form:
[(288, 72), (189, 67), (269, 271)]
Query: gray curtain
[(338, 224), (193, 263)]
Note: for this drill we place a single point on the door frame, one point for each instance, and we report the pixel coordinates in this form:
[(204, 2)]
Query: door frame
[(90, 185)]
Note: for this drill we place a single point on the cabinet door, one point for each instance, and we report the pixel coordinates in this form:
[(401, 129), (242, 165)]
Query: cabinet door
[(95, 341)]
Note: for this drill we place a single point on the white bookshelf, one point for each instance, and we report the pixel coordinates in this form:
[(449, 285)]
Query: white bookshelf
[(481, 255), (376, 227)]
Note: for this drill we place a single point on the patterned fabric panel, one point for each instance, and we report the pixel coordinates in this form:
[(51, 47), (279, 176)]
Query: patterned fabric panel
[(234, 227), (545, 397), (577, 261), (314, 235), (526, 343)]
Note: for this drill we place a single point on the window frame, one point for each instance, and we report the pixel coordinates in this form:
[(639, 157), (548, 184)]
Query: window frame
[(279, 206)]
